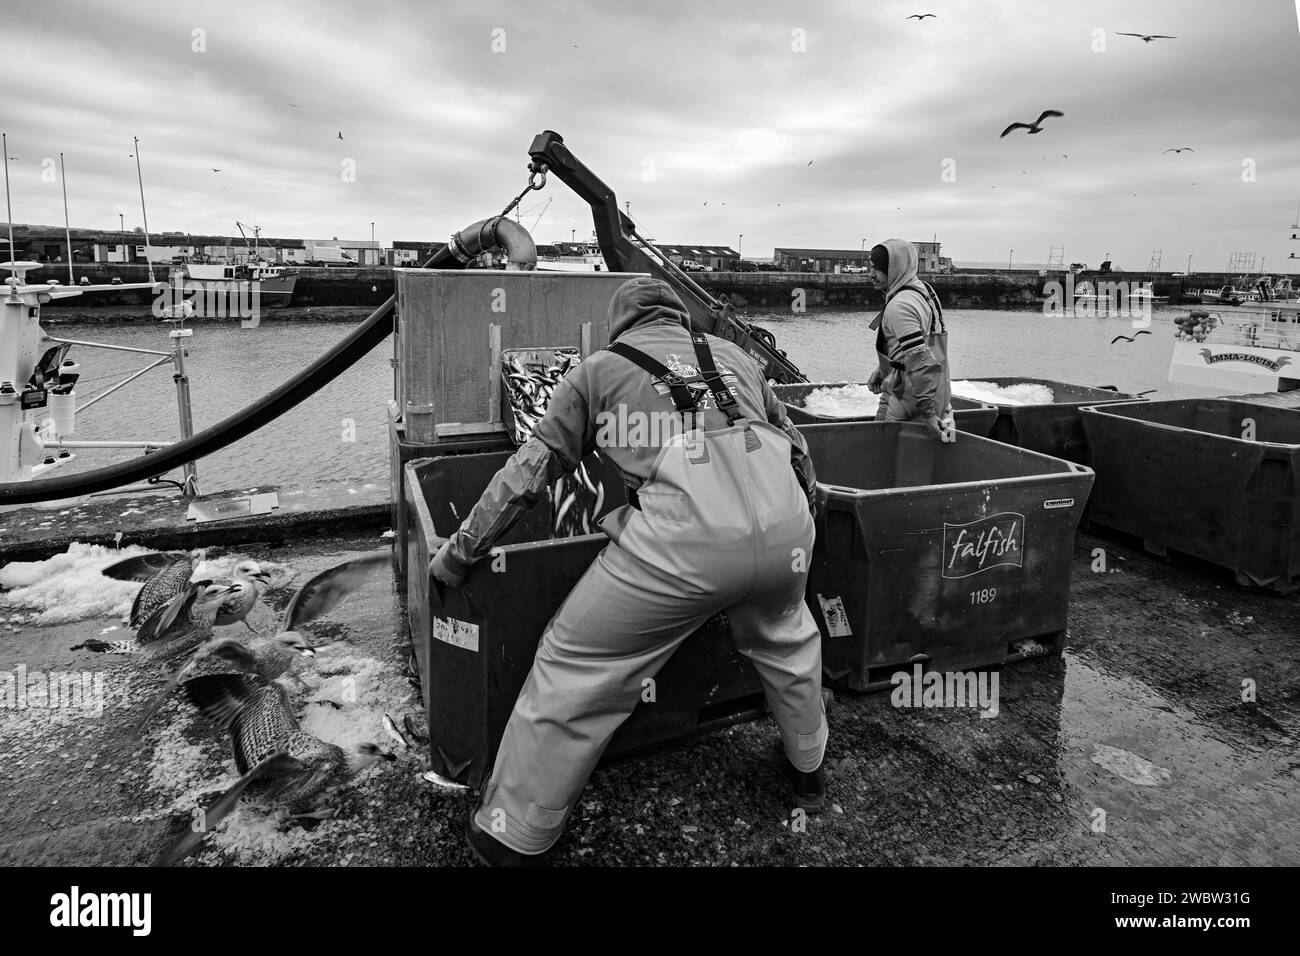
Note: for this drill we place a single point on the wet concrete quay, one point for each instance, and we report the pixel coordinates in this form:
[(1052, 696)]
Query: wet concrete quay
[(1135, 748)]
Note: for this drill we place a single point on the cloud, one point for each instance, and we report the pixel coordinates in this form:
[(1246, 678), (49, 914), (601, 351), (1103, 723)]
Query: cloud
[(674, 104)]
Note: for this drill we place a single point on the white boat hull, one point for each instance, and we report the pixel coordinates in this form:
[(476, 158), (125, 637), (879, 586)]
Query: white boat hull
[(1202, 369)]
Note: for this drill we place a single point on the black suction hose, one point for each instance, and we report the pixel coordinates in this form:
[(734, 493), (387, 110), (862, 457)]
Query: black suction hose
[(248, 419), (469, 242)]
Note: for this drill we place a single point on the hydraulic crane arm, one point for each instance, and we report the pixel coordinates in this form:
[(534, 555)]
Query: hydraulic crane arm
[(626, 251)]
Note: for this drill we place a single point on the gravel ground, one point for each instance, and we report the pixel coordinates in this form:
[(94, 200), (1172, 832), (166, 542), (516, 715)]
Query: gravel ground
[(1134, 748)]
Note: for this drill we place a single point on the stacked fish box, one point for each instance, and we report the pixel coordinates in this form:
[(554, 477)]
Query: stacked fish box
[(1050, 427), (450, 332), (1217, 479), (848, 402), (475, 643), (949, 556)]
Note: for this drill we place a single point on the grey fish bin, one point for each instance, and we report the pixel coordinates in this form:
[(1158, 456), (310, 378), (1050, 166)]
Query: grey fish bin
[(1215, 479), (952, 556)]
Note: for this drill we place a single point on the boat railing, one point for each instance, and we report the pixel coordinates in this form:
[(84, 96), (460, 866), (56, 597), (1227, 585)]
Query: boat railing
[(1265, 334)]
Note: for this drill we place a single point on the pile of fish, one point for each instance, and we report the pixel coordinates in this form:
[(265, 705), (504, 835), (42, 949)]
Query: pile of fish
[(576, 499), (238, 685)]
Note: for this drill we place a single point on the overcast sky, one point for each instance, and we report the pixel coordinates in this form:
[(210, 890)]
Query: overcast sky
[(675, 104)]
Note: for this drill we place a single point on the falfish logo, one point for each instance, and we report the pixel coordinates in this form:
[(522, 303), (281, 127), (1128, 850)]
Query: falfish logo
[(995, 541)]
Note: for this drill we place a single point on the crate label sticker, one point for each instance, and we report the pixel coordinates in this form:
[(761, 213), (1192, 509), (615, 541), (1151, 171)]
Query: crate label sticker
[(837, 619), (451, 631), (977, 546), (1059, 503)]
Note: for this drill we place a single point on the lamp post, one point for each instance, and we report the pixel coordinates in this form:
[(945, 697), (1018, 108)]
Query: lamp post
[(1189, 263), (121, 223), (862, 257), (740, 244), (572, 234), (1009, 255)]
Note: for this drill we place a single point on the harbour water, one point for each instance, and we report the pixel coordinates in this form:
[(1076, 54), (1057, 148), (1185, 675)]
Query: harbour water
[(341, 432)]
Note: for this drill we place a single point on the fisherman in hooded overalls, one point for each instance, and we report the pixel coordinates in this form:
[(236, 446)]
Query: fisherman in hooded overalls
[(720, 510), (911, 345)]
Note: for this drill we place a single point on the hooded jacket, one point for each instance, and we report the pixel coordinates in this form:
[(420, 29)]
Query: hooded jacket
[(909, 369), (646, 314)]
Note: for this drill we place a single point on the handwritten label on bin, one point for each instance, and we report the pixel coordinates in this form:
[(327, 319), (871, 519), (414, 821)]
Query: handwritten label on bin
[(995, 541), (460, 633), (837, 618)]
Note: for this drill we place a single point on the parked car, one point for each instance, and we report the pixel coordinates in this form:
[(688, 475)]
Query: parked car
[(744, 265), (690, 265), (769, 267)]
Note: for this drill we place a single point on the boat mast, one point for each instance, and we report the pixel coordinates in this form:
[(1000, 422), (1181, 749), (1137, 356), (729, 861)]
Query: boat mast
[(9, 209), (148, 252), (67, 229)]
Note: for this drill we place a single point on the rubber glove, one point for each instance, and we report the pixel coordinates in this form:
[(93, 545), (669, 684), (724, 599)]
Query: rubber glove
[(941, 428), (949, 425), (446, 568)]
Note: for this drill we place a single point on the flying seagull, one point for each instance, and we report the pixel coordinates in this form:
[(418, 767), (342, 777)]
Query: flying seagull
[(1179, 149), (340, 134), (810, 162), (920, 16), (216, 170), (1034, 127), (1147, 38), (1126, 338), (293, 106)]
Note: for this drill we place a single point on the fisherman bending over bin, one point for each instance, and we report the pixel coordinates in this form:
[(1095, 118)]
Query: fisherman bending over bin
[(718, 516)]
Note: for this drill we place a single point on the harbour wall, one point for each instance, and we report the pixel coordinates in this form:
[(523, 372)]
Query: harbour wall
[(367, 288)]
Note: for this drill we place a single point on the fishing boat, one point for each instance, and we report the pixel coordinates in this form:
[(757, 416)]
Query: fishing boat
[(274, 284), (245, 278), (1242, 351), (1224, 295), (581, 257)]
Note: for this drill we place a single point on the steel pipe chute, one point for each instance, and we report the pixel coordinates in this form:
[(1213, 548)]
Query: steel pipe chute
[(486, 235)]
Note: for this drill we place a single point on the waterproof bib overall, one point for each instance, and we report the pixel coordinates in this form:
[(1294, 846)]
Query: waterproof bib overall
[(898, 396), (720, 525)]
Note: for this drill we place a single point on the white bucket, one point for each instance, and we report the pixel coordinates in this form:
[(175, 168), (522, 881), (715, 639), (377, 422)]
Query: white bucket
[(63, 413)]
